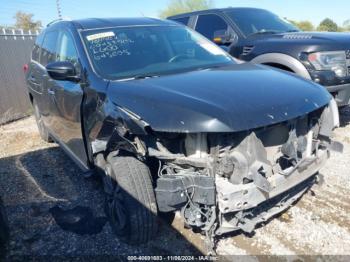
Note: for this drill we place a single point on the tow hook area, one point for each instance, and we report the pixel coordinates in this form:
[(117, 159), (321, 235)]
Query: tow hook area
[(247, 220)]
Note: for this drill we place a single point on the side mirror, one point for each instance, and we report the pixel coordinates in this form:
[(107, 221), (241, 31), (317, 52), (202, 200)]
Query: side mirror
[(222, 37), (62, 71)]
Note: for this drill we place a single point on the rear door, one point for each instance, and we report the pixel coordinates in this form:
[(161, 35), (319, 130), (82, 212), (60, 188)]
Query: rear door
[(33, 77), (66, 98), (47, 55)]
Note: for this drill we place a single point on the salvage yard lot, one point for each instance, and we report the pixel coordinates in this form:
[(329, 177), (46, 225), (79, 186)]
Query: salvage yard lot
[(36, 176)]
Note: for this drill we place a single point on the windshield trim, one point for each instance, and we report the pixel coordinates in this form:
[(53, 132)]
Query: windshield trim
[(129, 26), (92, 66)]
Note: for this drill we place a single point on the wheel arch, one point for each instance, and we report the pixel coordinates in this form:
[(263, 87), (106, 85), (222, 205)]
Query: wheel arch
[(279, 66), (119, 129), (283, 61)]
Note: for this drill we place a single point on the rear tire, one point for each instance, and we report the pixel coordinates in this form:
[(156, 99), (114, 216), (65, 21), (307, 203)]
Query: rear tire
[(130, 200), (44, 134)]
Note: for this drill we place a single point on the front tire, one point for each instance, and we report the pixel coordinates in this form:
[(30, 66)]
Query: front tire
[(130, 200)]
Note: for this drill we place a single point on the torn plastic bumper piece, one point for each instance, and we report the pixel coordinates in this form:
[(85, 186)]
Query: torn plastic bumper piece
[(248, 220), (236, 201)]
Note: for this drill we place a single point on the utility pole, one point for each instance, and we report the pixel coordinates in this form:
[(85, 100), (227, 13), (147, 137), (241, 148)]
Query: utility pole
[(58, 9)]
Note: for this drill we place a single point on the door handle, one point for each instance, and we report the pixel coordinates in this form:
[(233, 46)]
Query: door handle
[(50, 91)]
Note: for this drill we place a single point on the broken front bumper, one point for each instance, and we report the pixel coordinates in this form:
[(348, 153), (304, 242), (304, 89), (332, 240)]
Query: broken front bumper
[(245, 206)]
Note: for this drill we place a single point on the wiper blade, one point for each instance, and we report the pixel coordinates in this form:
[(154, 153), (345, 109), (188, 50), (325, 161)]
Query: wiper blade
[(137, 77), (261, 32), (144, 76), (208, 67), (291, 31)]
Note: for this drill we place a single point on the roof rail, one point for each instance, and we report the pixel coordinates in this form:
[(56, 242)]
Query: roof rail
[(58, 20), (53, 22)]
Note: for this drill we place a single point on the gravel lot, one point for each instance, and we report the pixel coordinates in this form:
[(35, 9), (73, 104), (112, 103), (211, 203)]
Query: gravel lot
[(36, 176)]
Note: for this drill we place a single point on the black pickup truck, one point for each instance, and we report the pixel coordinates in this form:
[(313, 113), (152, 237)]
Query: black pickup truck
[(257, 35)]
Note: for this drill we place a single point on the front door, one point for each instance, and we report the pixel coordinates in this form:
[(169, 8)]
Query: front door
[(209, 24), (66, 98)]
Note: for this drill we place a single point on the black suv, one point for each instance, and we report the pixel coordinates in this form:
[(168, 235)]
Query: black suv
[(172, 122), (262, 37)]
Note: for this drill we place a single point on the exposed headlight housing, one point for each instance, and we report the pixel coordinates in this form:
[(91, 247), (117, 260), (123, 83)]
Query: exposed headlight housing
[(333, 60)]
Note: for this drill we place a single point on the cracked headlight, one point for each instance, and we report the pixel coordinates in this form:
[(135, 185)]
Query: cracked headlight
[(333, 60)]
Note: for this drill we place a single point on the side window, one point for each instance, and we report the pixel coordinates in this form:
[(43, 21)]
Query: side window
[(37, 47), (66, 49), (208, 24), (48, 53), (182, 20)]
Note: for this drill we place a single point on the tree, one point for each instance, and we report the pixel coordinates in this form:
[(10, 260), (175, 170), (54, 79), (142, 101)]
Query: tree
[(25, 21), (305, 25), (182, 6), (293, 22), (302, 25), (346, 25), (328, 25)]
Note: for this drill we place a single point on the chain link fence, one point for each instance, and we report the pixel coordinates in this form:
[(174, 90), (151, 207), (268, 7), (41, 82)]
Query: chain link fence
[(15, 51)]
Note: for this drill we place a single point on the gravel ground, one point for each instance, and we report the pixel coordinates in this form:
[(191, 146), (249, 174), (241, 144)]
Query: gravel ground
[(36, 176)]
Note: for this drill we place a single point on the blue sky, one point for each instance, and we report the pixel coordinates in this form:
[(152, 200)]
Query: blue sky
[(45, 10)]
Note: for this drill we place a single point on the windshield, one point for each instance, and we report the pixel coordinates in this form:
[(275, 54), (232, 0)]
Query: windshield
[(253, 21), (146, 51)]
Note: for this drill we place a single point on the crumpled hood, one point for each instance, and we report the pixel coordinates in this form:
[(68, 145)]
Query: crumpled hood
[(227, 99)]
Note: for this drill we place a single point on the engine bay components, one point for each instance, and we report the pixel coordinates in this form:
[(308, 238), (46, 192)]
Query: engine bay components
[(173, 191), (234, 181)]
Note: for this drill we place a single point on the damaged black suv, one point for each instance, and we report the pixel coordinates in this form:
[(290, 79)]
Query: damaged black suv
[(173, 123)]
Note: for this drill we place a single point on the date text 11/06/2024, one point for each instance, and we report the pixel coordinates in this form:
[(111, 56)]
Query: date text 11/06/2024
[(172, 258)]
